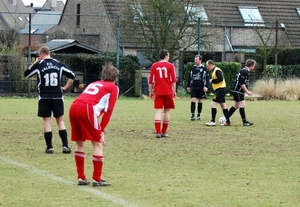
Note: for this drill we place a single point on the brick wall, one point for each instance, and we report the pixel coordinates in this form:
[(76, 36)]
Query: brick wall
[(96, 30)]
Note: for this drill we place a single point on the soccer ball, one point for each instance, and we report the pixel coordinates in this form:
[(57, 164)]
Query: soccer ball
[(222, 120)]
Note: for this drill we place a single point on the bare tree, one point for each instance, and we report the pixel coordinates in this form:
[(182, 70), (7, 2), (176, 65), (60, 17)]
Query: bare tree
[(153, 25), (9, 37), (266, 37)]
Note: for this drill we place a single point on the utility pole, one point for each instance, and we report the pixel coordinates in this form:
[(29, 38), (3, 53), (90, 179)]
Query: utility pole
[(276, 52), (29, 53), (199, 33), (118, 47)]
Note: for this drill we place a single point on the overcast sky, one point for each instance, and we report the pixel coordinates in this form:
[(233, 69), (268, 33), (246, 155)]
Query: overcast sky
[(37, 3)]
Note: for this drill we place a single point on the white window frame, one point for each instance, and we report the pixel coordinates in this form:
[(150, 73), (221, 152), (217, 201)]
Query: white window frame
[(251, 16), (196, 13)]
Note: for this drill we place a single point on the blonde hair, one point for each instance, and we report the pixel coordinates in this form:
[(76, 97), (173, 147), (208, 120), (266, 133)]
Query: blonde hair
[(44, 50), (109, 72)]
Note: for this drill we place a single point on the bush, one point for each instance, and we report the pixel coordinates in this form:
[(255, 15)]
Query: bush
[(281, 89), (284, 72)]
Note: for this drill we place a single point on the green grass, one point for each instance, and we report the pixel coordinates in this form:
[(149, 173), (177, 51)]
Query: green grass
[(195, 166)]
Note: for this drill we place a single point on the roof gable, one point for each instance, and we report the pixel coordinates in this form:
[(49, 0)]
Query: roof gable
[(69, 46), (15, 15)]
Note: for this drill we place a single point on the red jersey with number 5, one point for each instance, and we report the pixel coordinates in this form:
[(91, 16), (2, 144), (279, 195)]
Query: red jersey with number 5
[(102, 96), (162, 75)]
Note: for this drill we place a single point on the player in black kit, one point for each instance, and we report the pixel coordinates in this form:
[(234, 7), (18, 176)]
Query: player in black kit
[(239, 89), (49, 73), (197, 85)]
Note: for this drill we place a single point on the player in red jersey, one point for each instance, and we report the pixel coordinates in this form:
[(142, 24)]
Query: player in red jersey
[(98, 99), (162, 88)]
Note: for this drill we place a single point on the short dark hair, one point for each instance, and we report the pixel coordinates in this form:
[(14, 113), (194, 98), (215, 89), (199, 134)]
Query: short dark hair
[(163, 53), (199, 56), (250, 62), (210, 62)]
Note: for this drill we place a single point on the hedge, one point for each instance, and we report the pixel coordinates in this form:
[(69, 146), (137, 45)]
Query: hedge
[(91, 67)]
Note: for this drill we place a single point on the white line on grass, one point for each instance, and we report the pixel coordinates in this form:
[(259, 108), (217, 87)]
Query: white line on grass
[(62, 180)]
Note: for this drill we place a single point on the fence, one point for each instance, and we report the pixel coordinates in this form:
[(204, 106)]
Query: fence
[(71, 33)]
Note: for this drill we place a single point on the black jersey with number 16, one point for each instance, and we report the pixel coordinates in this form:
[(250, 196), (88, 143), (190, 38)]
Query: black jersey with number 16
[(49, 72)]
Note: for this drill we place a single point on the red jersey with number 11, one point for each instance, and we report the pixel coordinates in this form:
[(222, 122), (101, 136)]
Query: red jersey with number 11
[(162, 75)]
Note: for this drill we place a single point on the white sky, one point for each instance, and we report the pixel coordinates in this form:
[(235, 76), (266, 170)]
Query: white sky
[(36, 3)]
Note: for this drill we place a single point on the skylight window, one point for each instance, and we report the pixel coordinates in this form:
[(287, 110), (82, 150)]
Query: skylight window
[(251, 16), (20, 18), (196, 12), (298, 11), (33, 31)]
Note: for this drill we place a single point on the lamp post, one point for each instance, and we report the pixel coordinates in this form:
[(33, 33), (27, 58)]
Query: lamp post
[(29, 52), (276, 52), (199, 32), (118, 48)]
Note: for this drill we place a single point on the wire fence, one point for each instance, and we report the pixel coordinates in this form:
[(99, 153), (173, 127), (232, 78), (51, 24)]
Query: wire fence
[(95, 33)]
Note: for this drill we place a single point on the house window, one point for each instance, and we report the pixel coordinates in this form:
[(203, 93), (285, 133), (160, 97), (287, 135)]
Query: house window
[(33, 31), (136, 11), (78, 15), (251, 16), (196, 12), (298, 11)]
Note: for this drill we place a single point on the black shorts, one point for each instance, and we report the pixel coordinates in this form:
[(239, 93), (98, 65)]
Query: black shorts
[(219, 96), (237, 97), (197, 92), (47, 106)]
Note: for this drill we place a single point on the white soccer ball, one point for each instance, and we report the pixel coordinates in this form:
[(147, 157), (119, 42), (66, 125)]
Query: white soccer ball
[(222, 120)]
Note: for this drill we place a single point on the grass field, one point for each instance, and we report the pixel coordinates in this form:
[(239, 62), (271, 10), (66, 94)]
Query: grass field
[(196, 166)]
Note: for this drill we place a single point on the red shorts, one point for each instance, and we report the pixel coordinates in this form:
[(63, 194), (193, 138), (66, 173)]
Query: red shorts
[(164, 102), (84, 123)]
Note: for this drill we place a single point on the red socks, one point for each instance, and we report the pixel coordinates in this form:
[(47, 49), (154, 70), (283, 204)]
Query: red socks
[(157, 126), (79, 159), (165, 127), (98, 164)]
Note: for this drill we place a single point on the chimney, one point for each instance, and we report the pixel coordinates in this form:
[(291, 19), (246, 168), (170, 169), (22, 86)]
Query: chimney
[(53, 3)]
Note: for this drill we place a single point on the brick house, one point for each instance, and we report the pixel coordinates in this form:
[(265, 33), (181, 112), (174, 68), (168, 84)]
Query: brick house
[(236, 25), (80, 19), (44, 22)]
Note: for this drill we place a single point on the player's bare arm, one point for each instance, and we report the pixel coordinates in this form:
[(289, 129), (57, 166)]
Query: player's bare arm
[(68, 84), (249, 93)]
